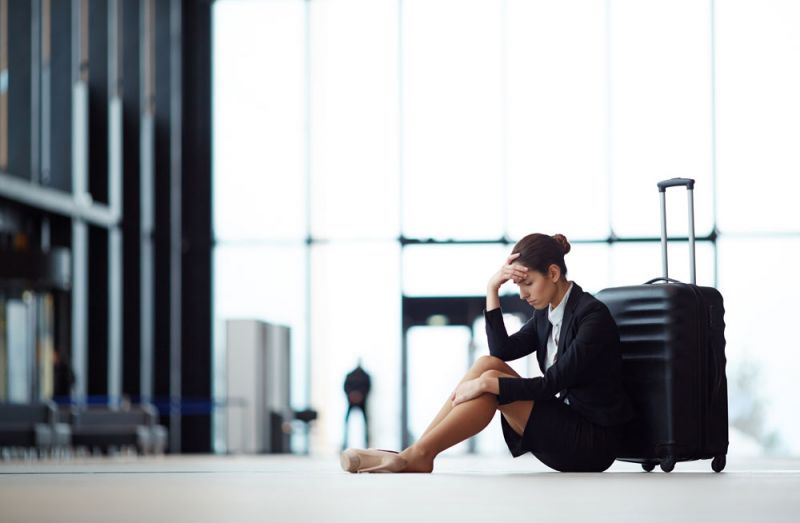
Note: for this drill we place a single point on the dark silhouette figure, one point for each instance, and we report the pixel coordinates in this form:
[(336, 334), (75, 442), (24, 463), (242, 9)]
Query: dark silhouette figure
[(63, 378), (356, 386)]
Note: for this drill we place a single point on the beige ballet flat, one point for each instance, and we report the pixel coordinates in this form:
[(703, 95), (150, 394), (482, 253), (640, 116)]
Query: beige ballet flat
[(371, 460)]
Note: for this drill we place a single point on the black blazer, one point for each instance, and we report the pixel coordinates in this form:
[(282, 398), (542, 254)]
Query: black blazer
[(588, 365)]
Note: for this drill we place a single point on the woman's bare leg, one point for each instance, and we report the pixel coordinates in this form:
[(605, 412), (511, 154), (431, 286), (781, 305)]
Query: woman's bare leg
[(462, 421), (467, 419), (481, 365)]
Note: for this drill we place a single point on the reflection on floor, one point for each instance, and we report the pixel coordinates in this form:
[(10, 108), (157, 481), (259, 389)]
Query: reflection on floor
[(294, 488)]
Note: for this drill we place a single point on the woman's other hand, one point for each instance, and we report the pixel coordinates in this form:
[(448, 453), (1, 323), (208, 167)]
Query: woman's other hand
[(509, 271), (467, 390)]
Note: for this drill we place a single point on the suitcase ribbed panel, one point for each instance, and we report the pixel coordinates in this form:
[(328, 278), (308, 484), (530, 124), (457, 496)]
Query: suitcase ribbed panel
[(659, 331)]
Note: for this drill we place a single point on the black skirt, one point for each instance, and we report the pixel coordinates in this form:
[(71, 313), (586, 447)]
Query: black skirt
[(564, 440)]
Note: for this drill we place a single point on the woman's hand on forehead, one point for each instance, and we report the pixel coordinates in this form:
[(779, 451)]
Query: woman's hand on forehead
[(517, 271)]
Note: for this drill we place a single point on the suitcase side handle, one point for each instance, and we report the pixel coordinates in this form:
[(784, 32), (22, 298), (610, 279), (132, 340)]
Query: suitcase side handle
[(662, 190), (661, 278)]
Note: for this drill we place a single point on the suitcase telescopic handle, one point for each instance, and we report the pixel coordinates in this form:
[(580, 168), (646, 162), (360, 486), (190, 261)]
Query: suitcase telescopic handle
[(662, 190), (676, 182)]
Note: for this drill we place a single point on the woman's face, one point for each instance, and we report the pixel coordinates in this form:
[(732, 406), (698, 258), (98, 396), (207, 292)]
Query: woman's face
[(538, 289)]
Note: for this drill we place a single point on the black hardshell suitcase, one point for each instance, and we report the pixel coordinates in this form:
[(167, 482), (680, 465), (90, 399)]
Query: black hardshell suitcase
[(673, 358)]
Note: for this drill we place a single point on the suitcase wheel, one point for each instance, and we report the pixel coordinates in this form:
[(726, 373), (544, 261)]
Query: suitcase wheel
[(667, 464), (648, 467), (718, 463)]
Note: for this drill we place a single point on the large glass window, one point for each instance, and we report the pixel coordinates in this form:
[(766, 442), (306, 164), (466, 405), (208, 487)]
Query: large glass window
[(452, 119), (451, 270), (355, 306), (763, 361), (266, 282), (758, 115), (636, 263), (367, 150), (557, 129), (353, 89), (259, 146), (660, 111)]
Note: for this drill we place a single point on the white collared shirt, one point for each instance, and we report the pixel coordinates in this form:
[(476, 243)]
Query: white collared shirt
[(555, 316)]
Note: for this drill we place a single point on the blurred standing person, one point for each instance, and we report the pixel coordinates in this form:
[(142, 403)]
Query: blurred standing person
[(356, 385)]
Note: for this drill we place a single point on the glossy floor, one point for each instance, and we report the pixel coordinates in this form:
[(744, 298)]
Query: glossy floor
[(295, 488)]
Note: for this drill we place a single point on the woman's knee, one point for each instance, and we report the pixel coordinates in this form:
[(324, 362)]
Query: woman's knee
[(487, 362), (494, 364)]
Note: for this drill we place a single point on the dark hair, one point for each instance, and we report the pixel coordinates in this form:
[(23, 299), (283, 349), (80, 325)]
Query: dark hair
[(539, 251)]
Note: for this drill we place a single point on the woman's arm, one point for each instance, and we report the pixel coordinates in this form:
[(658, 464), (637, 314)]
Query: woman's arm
[(595, 339), (492, 297), (505, 347), (502, 345)]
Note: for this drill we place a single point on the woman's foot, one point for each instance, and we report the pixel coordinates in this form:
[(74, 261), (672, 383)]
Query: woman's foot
[(371, 460), (418, 460)]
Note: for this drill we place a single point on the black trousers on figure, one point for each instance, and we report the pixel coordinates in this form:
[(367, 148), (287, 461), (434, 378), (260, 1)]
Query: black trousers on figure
[(363, 408)]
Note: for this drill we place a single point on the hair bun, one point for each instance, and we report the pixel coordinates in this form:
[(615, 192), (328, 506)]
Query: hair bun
[(563, 242)]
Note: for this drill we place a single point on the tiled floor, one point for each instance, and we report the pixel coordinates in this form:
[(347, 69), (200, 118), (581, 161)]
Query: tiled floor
[(294, 488)]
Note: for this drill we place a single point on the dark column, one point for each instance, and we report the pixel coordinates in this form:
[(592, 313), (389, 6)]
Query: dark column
[(197, 281), (98, 99), (97, 384), (20, 61), (57, 93), (98, 273), (167, 234), (131, 229)]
